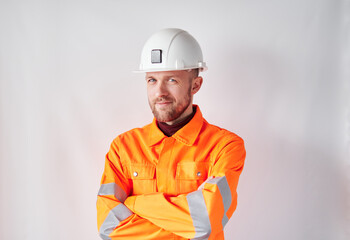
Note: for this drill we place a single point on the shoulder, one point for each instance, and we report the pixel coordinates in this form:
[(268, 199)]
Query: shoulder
[(222, 134), (132, 135), (228, 145)]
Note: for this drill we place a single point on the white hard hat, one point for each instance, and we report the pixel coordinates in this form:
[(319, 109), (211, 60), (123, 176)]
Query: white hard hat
[(171, 49)]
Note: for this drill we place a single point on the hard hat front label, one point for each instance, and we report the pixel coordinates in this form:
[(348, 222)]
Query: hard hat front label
[(156, 56)]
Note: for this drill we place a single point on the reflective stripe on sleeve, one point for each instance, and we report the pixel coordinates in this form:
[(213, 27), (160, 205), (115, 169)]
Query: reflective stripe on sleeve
[(112, 189), (225, 192), (114, 217), (199, 215)]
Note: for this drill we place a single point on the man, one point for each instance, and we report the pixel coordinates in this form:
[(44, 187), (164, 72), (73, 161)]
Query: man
[(175, 178)]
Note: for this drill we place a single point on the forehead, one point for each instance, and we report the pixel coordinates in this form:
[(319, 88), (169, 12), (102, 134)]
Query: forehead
[(167, 74)]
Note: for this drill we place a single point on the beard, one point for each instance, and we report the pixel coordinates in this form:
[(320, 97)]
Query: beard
[(173, 110)]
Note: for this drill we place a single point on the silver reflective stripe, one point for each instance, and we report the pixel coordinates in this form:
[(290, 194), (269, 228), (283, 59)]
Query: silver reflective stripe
[(112, 189), (225, 192), (199, 215), (114, 217)]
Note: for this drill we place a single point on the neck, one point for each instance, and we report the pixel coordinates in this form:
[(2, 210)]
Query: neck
[(169, 130)]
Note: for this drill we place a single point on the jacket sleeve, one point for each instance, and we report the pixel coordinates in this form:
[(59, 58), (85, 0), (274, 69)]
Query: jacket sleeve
[(114, 219), (201, 214)]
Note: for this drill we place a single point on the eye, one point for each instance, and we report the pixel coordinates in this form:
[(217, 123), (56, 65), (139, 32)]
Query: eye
[(172, 80), (151, 80)]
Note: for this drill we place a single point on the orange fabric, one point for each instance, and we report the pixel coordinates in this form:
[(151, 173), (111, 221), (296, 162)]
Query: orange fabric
[(160, 176)]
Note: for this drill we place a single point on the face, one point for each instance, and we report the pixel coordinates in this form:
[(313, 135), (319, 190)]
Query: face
[(170, 94)]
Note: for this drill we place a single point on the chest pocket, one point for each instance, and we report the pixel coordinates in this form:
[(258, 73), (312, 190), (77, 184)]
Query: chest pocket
[(142, 178), (190, 175)]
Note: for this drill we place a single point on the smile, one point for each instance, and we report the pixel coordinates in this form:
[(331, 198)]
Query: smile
[(163, 103)]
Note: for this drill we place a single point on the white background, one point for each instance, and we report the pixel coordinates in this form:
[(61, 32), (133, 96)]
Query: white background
[(278, 77)]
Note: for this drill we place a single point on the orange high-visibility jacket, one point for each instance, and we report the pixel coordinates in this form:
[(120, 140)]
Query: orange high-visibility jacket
[(178, 187)]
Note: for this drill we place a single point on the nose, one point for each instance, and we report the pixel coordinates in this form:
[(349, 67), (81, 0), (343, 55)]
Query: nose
[(161, 89)]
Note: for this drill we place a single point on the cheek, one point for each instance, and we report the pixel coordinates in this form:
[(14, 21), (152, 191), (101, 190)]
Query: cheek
[(149, 98), (181, 94), (149, 93)]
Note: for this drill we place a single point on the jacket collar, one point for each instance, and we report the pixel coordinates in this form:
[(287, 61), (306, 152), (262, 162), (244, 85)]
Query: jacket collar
[(187, 135)]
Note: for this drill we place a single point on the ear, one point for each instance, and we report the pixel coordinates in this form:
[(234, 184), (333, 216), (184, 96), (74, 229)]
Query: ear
[(196, 84)]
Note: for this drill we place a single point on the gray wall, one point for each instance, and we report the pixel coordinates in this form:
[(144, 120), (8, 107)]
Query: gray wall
[(278, 77)]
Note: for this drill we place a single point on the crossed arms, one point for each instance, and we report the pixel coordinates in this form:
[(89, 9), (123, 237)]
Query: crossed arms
[(201, 214)]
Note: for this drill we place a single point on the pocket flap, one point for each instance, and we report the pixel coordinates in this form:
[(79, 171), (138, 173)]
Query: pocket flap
[(141, 171), (192, 170)]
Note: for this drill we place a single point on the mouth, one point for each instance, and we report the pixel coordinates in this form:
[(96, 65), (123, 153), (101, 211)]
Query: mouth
[(163, 103)]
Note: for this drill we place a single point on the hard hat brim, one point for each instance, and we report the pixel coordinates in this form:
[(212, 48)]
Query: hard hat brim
[(202, 69)]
